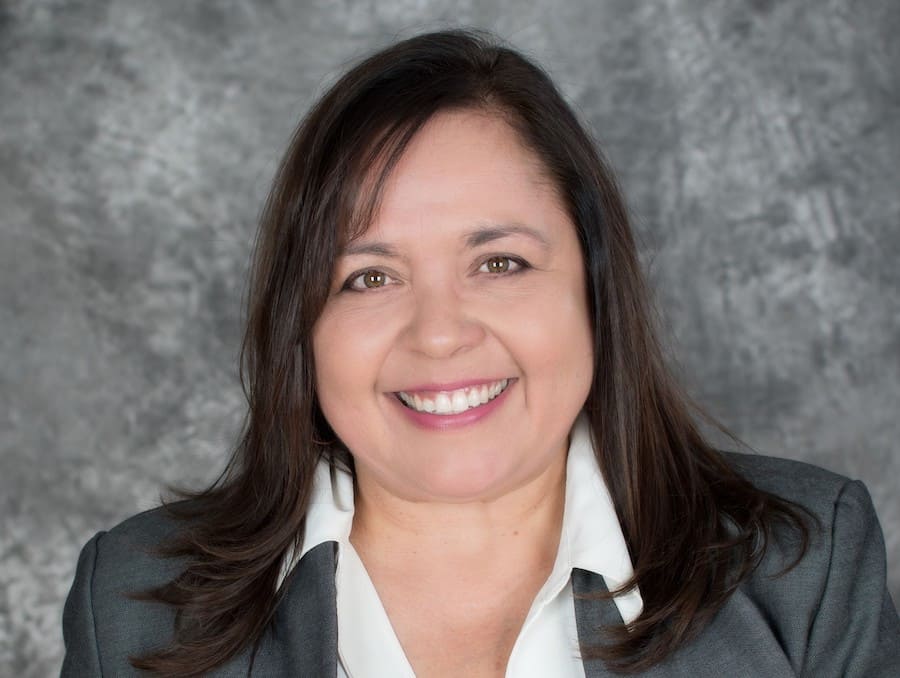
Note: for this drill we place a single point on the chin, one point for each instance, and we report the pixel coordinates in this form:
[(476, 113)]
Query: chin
[(465, 483)]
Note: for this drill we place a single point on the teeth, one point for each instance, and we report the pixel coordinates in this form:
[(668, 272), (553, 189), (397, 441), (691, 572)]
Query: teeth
[(454, 402), (459, 402), (442, 403)]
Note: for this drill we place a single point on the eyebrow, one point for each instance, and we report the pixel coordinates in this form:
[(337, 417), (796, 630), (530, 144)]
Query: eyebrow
[(378, 249), (480, 236), (489, 233)]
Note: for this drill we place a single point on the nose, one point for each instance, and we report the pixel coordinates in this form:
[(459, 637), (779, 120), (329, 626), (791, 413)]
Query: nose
[(442, 324)]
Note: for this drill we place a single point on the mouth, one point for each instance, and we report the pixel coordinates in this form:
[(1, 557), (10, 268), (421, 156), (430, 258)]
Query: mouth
[(453, 402)]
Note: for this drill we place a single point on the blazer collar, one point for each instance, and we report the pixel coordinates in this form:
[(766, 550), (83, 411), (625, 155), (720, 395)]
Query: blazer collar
[(302, 640)]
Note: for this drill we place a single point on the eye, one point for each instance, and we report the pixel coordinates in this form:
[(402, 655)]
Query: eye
[(367, 280), (373, 279), (502, 264)]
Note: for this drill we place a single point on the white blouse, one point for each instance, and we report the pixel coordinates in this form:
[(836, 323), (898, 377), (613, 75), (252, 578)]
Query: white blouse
[(547, 645)]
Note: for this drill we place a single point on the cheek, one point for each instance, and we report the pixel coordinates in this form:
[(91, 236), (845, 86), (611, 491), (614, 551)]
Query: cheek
[(556, 345), (555, 315), (348, 349)]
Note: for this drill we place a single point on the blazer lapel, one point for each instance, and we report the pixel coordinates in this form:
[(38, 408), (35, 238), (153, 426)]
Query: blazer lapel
[(738, 642), (302, 640), (592, 614)]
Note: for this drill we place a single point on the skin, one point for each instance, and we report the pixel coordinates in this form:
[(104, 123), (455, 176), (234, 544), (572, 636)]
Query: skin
[(463, 519)]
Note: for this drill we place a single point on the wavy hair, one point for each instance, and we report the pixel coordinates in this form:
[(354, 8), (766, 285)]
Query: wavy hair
[(661, 473)]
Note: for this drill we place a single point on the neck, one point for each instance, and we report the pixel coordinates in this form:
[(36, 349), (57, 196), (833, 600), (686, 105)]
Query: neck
[(521, 526)]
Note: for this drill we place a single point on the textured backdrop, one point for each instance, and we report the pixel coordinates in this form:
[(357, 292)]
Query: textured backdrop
[(757, 142)]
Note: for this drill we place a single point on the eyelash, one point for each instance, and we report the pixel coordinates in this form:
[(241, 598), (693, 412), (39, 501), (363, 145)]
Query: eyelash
[(348, 283), (520, 264)]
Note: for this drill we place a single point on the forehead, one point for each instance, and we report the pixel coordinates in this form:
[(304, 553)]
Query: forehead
[(460, 168), (451, 137)]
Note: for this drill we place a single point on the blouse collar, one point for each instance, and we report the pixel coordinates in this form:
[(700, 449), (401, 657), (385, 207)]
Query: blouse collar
[(591, 537)]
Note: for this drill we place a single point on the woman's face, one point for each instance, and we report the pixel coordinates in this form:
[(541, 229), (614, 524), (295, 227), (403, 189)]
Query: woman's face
[(455, 352)]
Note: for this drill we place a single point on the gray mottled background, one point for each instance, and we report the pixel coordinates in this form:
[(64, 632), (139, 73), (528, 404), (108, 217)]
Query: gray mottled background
[(758, 143)]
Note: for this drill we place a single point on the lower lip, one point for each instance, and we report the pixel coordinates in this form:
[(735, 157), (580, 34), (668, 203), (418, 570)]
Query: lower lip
[(443, 422)]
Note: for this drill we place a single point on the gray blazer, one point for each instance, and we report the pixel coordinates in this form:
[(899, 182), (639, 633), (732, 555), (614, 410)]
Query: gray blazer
[(830, 616)]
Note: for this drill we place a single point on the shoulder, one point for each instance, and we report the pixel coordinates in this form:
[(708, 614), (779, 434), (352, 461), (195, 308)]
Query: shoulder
[(127, 555), (103, 623), (832, 504), (812, 487), (840, 582)]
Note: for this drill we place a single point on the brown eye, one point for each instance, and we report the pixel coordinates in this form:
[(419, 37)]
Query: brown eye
[(373, 279), (497, 264)]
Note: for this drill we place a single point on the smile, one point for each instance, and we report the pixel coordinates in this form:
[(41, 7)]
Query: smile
[(453, 402)]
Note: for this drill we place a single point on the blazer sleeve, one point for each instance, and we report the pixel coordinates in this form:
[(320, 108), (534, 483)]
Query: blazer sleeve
[(855, 632), (82, 659)]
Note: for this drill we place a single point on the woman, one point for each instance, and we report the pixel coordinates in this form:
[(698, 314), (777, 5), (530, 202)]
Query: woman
[(463, 454)]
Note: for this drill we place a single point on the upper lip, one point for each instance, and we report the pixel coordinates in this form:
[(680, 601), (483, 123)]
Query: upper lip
[(450, 385)]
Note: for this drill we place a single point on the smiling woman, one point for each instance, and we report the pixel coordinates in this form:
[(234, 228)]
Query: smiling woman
[(460, 307), (464, 455)]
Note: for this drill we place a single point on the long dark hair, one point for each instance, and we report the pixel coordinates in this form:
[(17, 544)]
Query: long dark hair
[(661, 473)]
